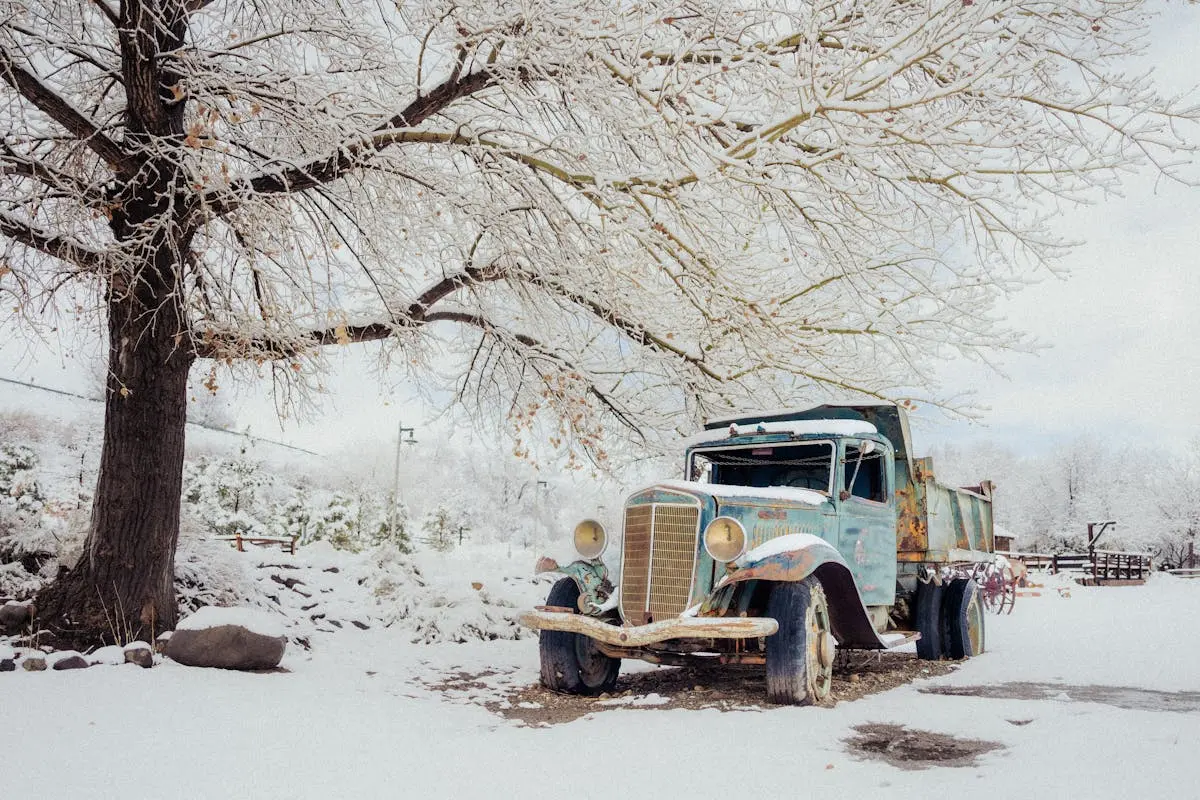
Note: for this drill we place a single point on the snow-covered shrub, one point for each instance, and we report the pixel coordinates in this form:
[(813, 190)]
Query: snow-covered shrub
[(225, 494), (445, 525), (209, 572)]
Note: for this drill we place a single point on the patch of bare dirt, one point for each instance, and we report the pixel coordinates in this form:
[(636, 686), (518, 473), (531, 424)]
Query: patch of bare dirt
[(726, 688), (1126, 697), (908, 748)]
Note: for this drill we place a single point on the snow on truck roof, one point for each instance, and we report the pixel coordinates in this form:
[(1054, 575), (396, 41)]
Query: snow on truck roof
[(807, 427)]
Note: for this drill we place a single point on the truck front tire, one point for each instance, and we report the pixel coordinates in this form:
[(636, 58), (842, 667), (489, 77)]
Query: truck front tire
[(800, 655), (570, 662)]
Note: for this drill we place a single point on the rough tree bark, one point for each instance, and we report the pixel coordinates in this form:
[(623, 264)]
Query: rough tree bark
[(122, 587)]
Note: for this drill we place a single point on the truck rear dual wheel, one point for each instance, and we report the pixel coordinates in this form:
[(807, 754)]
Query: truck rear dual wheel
[(800, 655), (963, 607), (950, 620), (571, 662)]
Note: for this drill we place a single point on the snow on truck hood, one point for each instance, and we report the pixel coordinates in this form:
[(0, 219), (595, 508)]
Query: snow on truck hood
[(806, 497), (806, 427)]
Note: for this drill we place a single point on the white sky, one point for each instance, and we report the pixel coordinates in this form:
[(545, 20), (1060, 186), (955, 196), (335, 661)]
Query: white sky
[(1123, 331)]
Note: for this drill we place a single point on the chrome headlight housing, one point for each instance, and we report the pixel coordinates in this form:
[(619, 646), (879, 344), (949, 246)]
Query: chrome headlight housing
[(724, 539), (590, 539)]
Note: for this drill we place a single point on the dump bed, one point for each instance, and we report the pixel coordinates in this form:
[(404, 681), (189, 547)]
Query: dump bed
[(935, 523)]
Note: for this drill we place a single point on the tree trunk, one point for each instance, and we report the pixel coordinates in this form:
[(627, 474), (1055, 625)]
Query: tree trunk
[(122, 588)]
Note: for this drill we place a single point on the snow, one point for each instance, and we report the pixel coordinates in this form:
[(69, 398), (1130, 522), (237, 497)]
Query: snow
[(251, 619), (810, 427), (781, 544), (362, 713), (804, 496)]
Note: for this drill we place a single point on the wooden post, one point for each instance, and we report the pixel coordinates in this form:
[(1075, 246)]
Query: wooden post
[(240, 549)]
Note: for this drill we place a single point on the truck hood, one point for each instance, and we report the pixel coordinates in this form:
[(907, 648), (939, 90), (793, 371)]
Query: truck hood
[(742, 494)]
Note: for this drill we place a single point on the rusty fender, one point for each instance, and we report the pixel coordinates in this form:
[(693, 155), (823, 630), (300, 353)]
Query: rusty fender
[(595, 589), (850, 621), (790, 565), (640, 635)]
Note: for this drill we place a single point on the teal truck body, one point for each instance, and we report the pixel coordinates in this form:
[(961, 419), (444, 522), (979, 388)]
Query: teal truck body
[(795, 534)]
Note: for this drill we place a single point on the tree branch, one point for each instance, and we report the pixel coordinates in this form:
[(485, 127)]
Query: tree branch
[(353, 154), (59, 247), (58, 109)]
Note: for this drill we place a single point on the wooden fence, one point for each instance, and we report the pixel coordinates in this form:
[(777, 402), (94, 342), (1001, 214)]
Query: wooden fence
[(1102, 565)]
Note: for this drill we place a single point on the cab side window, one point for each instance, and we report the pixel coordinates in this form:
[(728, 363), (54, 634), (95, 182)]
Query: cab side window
[(865, 479)]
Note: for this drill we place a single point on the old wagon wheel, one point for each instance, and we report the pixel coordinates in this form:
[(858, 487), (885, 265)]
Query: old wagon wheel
[(997, 587)]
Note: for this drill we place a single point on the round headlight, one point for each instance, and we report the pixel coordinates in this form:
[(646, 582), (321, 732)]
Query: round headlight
[(724, 539), (590, 538)]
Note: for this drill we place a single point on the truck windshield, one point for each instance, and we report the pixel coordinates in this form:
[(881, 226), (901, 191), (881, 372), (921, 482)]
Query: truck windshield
[(807, 465)]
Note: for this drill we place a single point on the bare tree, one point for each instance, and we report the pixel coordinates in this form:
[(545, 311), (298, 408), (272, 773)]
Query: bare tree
[(614, 218)]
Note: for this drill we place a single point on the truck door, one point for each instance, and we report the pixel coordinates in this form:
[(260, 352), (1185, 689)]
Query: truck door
[(867, 518)]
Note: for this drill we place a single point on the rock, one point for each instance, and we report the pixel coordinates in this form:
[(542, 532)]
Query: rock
[(68, 660), (110, 656), (7, 665), (139, 653), (160, 643), (476, 585), (33, 663), (14, 616), (362, 626), (228, 638)]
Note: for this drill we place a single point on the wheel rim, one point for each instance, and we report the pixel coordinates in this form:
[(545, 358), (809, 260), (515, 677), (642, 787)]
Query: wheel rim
[(593, 665), (820, 648), (975, 624)]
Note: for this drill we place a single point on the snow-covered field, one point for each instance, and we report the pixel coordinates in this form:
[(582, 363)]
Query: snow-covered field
[(370, 713)]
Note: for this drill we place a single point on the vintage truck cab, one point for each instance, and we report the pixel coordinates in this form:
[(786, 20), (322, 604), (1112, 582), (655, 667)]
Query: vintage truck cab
[(793, 535)]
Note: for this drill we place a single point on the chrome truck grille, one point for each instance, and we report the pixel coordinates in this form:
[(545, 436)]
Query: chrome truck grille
[(658, 561)]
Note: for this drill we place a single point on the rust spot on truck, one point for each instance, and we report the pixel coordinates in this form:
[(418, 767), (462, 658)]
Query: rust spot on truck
[(912, 535)]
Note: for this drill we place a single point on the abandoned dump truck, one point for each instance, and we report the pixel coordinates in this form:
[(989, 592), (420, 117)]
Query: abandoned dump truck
[(795, 535)]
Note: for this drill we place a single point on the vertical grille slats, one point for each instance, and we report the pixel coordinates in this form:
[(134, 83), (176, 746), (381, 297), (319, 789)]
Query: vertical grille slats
[(659, 558), (636, 563)]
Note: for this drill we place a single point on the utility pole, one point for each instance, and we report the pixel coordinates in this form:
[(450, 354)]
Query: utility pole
[(396, 476), (538, 491)]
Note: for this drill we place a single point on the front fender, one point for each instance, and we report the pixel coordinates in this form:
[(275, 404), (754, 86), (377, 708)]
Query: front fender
[(595, 589), (793, 558)]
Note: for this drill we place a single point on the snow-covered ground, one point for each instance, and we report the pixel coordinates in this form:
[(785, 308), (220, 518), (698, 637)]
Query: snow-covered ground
[(370, 713)]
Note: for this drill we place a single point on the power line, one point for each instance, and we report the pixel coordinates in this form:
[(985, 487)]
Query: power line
[(194, 424)]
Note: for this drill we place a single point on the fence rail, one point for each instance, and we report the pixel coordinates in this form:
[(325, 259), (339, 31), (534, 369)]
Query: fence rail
[(1104, 565)]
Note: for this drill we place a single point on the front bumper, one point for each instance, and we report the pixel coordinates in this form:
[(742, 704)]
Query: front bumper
[(639, 635)]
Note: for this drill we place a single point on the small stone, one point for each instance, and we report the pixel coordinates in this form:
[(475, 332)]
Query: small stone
[(139, 653), (476, 585), (699, 687), (7, 665), (604, 696), (331, 569), (71, 661), (160, 643), (855, 677), (362, 626), (33, 663)]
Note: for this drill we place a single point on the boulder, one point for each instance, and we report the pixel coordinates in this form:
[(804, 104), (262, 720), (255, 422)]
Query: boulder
[(68, 660), (33, 663), (7, 665), (228, 638), (139, 653), (14, 617)]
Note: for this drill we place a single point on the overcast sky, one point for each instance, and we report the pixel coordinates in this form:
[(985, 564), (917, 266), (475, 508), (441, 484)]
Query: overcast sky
[(1122, 333)]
